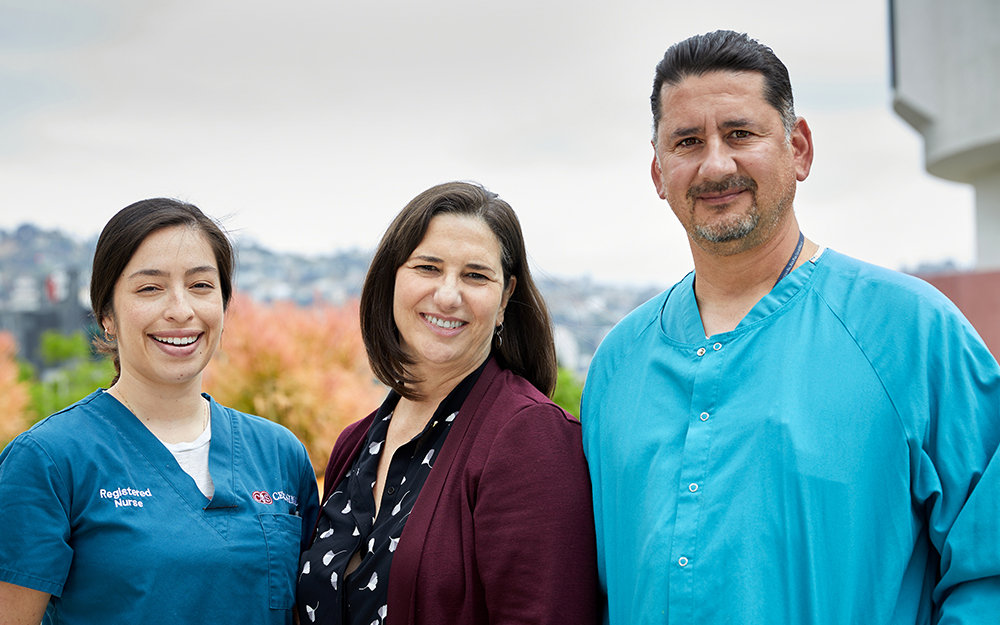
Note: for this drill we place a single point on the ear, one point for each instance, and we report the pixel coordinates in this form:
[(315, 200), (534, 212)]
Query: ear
[(108, 324), (505, 298), (802, 149), (657, 174)]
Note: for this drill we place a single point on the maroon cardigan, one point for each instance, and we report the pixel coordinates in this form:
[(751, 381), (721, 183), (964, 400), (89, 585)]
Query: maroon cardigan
[(503, 529)]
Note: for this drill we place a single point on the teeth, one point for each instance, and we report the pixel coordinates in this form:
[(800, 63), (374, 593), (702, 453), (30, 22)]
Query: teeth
[(187, 340), (441, 323)]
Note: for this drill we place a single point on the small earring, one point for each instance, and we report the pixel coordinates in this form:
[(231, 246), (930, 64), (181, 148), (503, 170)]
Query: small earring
[(110, 338), (499, 329)]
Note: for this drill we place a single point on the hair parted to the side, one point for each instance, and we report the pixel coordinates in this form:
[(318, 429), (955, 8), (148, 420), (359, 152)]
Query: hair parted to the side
[(527, 349), (725, 51), (123, 235)]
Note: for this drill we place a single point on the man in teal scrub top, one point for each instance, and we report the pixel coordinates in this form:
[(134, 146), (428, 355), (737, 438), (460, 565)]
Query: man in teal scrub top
[(787, 435)]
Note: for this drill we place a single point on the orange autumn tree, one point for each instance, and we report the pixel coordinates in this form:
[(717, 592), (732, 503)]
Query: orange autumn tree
[(14, 395), (304, 368)]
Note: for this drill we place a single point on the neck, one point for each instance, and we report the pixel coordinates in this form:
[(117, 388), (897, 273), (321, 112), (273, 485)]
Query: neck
[(434, 387), (174, 414), (728, 287)]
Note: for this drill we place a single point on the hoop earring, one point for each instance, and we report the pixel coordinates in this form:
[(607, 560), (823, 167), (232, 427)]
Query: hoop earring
[(499, 329), (110, 338)]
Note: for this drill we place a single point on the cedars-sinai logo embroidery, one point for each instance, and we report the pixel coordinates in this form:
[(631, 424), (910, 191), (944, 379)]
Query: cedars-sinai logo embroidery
[(261, 496)]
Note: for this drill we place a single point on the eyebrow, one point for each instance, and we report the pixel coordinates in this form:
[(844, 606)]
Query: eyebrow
[(726, 125), (686, 132), (738, 123), (479, 267), (435, 259), (159, 273)]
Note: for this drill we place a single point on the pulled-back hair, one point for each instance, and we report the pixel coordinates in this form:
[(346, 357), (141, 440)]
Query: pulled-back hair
[(123, 235), (528, 348), (725, 51)]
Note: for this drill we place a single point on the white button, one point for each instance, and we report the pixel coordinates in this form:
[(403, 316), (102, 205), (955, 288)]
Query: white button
[(693, 487), (703, 416), (701, 351), (717, 346), (683, 561)]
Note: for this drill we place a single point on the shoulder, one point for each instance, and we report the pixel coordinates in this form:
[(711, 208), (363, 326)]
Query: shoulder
[(513, 410), (638, 322), (264, 431), (924, 351), (630, 337), (64, 442), (872, 298), (516, 394), (842, 270), (72, 425)]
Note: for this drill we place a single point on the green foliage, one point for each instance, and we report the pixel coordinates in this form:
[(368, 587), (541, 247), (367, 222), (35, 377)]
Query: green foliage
[(59, 348), (568, 392), (75, 373)]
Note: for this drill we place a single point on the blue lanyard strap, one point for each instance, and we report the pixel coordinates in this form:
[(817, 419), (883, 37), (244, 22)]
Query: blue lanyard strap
[(791, 261)]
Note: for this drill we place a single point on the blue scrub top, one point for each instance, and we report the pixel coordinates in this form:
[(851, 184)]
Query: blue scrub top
[(96, 511), (830, 460)]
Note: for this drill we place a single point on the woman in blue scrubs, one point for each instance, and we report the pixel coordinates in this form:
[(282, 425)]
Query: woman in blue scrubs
[(148, 501)]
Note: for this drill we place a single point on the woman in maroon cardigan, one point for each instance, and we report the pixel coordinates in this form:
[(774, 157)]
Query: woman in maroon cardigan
[(464, 499)]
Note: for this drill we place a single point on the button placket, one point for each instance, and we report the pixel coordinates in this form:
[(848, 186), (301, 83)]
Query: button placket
[(694, 472)]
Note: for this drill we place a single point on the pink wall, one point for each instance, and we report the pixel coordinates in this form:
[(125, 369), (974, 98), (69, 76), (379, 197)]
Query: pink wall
[(978, 297)]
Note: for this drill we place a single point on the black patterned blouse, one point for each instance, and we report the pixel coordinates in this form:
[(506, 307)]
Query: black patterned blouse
[(347, 521)]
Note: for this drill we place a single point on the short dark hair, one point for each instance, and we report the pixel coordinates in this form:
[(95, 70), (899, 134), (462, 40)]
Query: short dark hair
[(725, 51), (123, 235), (528, 348)]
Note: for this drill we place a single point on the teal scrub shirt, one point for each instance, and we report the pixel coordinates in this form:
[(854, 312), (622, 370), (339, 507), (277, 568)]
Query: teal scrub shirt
[(830, 460), (95, 511)]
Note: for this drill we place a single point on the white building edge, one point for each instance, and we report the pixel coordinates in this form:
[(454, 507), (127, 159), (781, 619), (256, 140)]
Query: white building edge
[(946, 81)]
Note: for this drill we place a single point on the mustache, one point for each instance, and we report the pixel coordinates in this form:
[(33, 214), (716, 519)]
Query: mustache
[(733, 183)]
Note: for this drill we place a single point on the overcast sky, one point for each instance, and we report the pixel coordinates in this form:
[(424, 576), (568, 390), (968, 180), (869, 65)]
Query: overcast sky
[(307, 124)]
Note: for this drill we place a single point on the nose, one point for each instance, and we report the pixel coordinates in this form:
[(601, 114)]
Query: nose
[(179, 308), (718, 162), (448, 294)]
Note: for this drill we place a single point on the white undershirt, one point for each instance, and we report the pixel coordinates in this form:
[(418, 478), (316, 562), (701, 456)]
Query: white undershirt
[(193, 458)]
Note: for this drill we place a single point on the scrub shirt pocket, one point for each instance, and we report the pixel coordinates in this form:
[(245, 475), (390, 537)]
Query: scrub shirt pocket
[(283, 536)]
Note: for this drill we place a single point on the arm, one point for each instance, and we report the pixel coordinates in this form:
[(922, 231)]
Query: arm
[(535, 545), (958, 478), (21, 606)]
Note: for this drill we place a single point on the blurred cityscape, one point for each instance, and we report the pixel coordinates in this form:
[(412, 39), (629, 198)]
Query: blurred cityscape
[(45, 279)]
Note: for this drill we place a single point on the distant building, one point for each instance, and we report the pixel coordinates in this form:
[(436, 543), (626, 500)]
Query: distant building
[(977, 294), (946, 85), (36, 303)]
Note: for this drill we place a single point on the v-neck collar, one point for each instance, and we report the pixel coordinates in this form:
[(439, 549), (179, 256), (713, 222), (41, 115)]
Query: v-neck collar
[(681, 320), (221, 459)]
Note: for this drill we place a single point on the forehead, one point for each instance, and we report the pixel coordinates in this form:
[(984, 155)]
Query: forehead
[(459, 233), (718, 94), (172, 244)]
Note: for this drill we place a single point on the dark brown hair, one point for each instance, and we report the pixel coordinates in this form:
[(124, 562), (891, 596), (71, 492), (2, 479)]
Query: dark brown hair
[(725, 51), (123, 235), (527, 349)]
